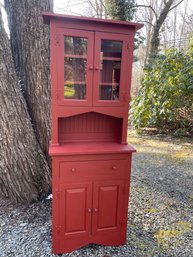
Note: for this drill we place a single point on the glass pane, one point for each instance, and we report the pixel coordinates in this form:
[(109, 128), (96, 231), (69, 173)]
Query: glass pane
[(75, 69), (75, 45), (110, 92), (74, 91), (110, 69), (111, 48)]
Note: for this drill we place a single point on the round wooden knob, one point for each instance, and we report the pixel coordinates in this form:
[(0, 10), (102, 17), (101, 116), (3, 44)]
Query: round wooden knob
[(73, 169), (96, 68), (91, 68), (114, 167)]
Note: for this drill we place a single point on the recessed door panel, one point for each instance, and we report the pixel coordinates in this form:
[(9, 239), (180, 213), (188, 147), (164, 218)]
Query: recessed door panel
[(108, 199), (108, 203), (75, 214)]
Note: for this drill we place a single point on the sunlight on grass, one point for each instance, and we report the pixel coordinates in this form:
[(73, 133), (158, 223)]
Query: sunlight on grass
[(175, 150), (69, 91)]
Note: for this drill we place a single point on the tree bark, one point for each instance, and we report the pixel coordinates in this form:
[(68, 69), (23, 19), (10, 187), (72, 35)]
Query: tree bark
[(155, 41), (24, 172), (30, 49)]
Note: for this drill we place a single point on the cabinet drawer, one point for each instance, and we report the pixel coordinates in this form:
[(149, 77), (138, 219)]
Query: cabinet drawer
[(97, 169)]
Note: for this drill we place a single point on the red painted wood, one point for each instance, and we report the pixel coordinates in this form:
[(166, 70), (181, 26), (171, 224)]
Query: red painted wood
[(93, 70), (90, 148), (91, 127), (91, 160), (78, 171), (108, 192), (108, 198), (123, 82), (75, 204), (56, 16), (60, 66)]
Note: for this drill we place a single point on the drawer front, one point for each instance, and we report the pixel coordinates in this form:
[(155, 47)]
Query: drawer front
[(96, 169)]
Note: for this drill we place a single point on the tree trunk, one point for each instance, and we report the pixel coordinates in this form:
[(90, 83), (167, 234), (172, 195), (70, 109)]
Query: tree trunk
[(24, 172), (30, 49), (155, 41)]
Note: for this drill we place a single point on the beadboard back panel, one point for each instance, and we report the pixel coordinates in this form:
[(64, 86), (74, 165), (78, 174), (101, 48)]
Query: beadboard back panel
[(90, 126)]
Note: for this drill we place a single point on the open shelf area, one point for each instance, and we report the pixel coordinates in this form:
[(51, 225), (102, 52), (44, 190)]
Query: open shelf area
[(90, 127)]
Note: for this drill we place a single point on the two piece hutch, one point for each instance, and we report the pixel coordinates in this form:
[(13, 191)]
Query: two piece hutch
[(91, 62)]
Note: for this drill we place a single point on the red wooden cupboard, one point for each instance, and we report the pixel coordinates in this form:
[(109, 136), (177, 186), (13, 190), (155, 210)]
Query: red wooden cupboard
[(91, 61)]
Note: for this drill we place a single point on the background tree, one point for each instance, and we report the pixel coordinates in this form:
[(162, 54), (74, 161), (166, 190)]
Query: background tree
[(29, 39), (24, 172), (25, 102), (154, 15), (121, 9)]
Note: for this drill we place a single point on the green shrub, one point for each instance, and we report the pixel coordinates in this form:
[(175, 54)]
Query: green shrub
[(166, 93)]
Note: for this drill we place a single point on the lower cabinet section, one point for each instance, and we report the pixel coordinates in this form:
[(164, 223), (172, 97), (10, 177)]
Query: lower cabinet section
[(91, 211)]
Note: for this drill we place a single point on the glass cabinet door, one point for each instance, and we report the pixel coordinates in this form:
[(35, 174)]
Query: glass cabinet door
[(76, 67), (110, 67), (110, 59)]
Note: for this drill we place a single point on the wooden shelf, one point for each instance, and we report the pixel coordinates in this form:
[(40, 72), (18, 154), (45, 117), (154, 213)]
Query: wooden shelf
[(111, 59), (75, 56), (90, 148), (75, 82), (109, 84)]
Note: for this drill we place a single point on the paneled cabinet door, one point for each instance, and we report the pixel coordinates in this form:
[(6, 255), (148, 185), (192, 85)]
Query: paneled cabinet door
[(74, 62), (75, 210), (108, 200)]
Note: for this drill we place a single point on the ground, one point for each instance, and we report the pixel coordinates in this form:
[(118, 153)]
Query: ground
[(160, 212), (161, 203)]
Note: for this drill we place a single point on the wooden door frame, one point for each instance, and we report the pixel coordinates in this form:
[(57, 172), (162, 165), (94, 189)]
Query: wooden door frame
[(61, 32), (99, 36)]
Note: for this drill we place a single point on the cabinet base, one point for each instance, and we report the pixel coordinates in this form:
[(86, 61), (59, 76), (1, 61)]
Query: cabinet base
[(90, 199), (68, 245)]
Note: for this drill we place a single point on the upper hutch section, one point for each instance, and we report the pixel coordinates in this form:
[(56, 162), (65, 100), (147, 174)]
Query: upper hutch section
[(91, 63), (91, 58)]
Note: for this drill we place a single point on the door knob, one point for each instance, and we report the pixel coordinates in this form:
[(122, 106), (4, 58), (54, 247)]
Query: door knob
[(89, 210), (73, 169), (114, 167), (96, 68), (95, 209), (91, 68)]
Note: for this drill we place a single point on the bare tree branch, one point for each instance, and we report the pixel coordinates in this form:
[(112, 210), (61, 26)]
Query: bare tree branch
[(148, 22), (155, 41), (149, 6), (93, 6), (176, 5), (183, 24), (103, 5)]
